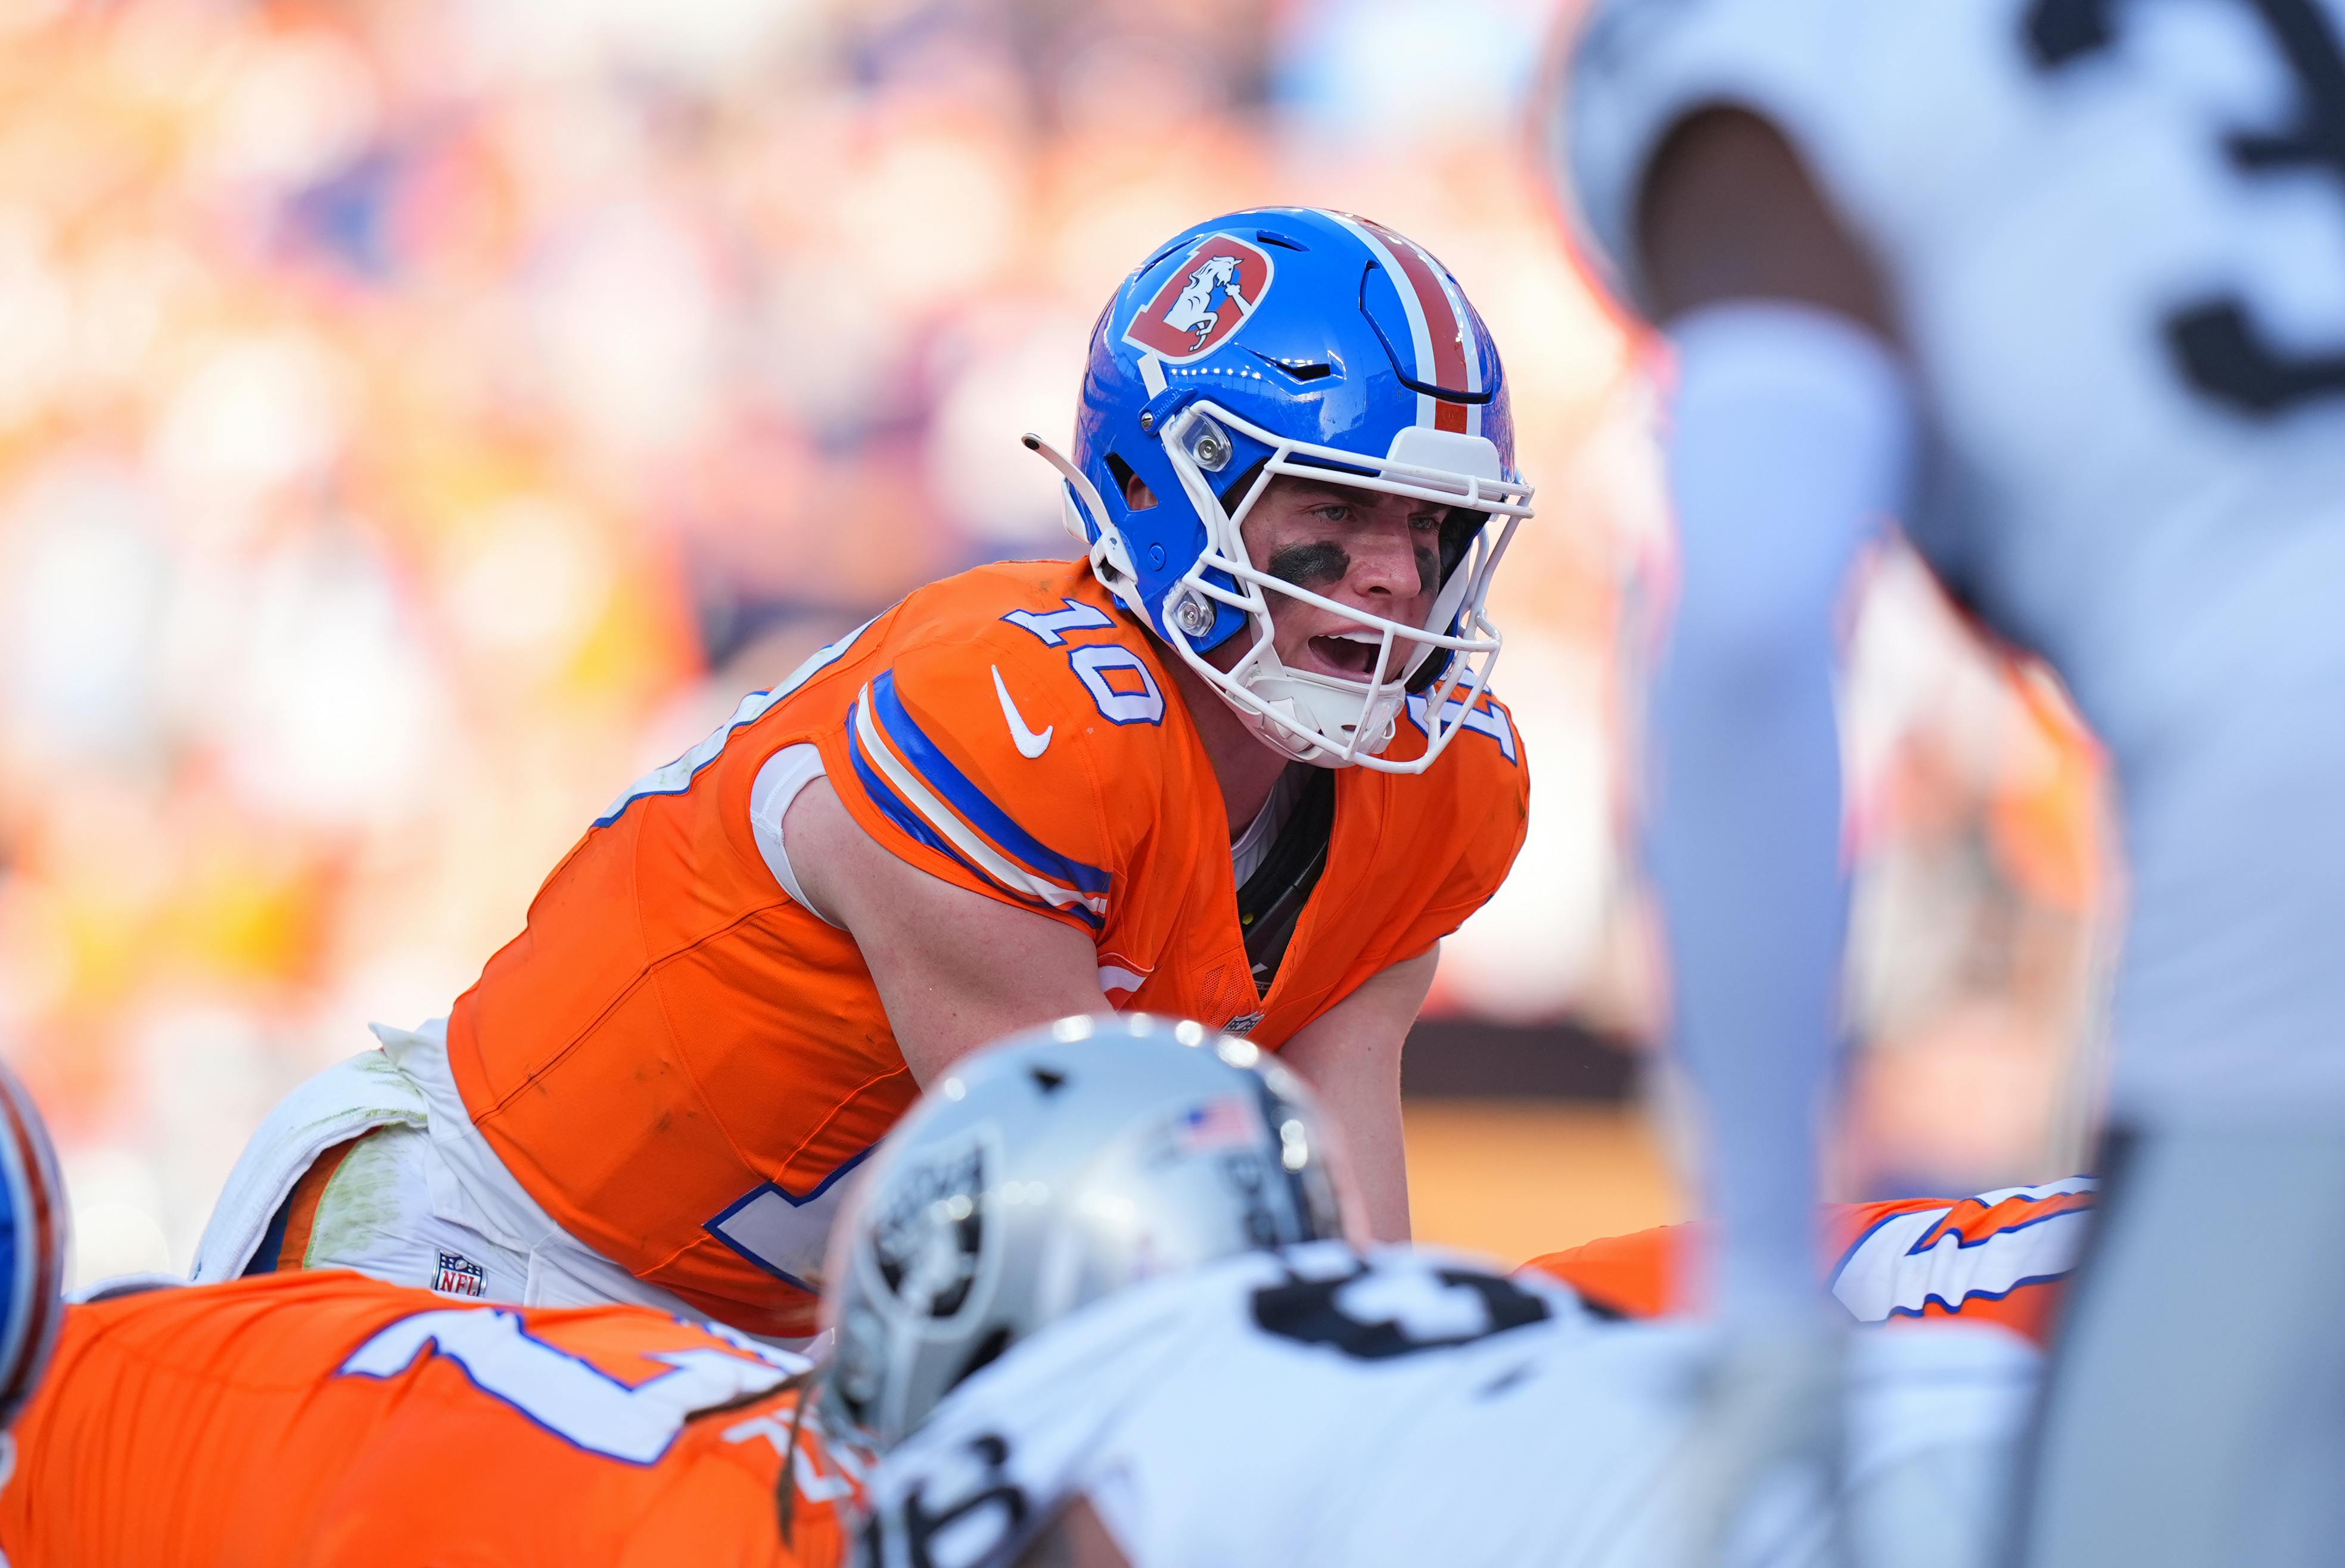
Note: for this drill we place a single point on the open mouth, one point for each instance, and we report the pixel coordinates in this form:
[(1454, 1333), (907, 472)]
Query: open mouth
[(1351, 655)]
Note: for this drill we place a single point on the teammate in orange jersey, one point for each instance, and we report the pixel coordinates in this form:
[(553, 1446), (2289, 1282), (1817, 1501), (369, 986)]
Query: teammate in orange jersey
[(331, 1420), (1242, 765), (324, 1420), (1999, 1257)]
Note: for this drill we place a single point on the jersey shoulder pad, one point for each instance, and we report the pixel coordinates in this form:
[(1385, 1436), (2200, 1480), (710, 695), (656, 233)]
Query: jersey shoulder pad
[(1641, 67), (1640, 1275), (1016, 748), (1939, 1258)]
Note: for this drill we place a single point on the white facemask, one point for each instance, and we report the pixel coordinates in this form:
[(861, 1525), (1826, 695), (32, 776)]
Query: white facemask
[(1325, 720)]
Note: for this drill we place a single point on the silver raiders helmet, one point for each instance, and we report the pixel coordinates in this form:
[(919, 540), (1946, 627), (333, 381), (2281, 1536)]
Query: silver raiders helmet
[(1057, 1165)]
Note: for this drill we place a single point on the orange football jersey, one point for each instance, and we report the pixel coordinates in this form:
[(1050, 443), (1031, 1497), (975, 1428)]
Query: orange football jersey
[(2000, 1258), (678, 1062), (331, 1420)]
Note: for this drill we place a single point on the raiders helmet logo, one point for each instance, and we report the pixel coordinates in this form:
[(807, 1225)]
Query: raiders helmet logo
[(930, 1233), (1205, 300)]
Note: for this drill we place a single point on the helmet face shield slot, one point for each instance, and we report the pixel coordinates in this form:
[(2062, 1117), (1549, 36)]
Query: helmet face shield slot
[(1312, 717)]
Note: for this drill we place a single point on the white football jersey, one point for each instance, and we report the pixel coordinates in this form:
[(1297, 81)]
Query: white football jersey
[(1314, 1408), (2113, 235)]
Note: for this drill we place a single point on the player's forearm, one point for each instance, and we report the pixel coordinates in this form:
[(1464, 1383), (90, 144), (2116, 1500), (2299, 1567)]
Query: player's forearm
[(1369, 1116), (1786, 450), (1351, 1056)]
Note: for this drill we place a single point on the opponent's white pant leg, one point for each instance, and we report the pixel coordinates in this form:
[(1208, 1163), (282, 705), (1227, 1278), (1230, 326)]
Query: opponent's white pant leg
[(2195, 1414)]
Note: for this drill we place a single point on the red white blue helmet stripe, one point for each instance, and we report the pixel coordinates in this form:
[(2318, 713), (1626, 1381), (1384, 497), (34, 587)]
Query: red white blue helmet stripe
[(1441, 330)]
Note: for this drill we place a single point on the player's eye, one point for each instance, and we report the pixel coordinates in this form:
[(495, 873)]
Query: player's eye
[(1426, 522)]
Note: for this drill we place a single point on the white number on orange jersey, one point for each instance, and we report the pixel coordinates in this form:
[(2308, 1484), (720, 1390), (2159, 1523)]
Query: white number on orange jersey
[(566, 1394)]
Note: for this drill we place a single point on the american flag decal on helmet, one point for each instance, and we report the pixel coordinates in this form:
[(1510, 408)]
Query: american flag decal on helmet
[(1225, 1122), (1448, 350)]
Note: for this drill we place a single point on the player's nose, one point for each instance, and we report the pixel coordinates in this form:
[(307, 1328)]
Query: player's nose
[(1383, 559)]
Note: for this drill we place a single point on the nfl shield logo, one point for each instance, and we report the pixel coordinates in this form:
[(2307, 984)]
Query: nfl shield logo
[(459, 1276), (1207, 297)]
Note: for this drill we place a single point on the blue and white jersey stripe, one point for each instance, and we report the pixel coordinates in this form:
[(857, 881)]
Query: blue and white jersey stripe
[(914, 746), (911, 781), (1912, 1261)]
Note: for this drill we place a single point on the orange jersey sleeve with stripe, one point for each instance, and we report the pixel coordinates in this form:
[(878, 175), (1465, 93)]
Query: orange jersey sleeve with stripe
[(678, 1062), (329, 1421), (2001, 1257)]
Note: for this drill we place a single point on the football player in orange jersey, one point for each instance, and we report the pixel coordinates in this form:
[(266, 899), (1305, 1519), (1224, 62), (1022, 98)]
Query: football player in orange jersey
[(1242, 764), (331, 1420), (319, 1418)]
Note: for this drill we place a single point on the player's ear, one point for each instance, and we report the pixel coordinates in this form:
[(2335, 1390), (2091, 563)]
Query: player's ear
[(1137, 496), (1727, 212)]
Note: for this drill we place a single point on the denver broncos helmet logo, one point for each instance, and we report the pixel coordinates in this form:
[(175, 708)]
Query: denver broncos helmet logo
[(1205, 299)]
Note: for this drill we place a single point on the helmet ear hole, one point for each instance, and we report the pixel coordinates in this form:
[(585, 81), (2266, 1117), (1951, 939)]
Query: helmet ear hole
[(1133, 490)]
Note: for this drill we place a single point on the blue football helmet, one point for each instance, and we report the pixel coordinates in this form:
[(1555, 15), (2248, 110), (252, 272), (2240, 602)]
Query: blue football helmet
[(33, 1229), (1295, 341)]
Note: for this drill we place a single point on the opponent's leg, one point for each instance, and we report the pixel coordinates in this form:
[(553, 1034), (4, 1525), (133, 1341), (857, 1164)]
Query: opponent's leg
[(2196, 1412)]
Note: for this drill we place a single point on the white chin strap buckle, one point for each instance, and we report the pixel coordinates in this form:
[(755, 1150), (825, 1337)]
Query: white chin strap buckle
[(1335, 742)]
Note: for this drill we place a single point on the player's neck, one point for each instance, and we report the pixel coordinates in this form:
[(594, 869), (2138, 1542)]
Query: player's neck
[(1247, 769)]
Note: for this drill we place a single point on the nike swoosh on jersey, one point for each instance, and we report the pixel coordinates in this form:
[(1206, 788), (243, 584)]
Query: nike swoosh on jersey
[(1029, 745)]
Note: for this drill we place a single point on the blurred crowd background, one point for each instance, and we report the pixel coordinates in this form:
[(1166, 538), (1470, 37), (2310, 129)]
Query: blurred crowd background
[(419, 417)]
